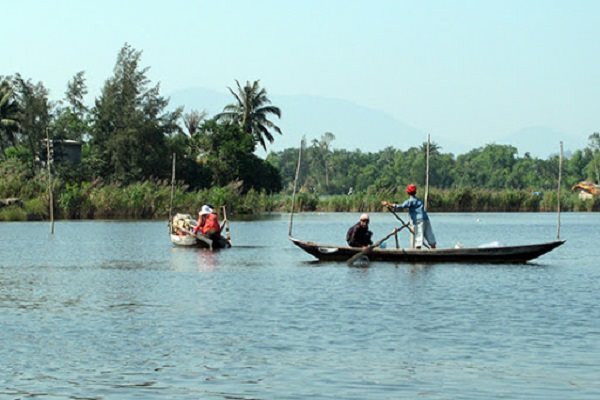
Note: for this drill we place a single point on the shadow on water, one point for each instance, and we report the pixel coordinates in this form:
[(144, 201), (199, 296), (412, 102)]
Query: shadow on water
[(131, 265)]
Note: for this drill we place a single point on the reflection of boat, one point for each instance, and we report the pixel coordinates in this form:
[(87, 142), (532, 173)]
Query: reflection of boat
[(182, 235), (497, 254)]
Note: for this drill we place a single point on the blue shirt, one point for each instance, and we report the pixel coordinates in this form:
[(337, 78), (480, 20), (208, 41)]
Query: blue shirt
[(416, 209)]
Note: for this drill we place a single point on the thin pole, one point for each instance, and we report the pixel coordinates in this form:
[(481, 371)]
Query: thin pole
[(560, 161), (427, 172), (295, 183), (172, 194), (50, 194), (226, 223)]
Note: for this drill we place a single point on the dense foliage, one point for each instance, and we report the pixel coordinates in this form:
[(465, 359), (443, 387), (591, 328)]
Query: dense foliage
[(492, 167), (130, 135)]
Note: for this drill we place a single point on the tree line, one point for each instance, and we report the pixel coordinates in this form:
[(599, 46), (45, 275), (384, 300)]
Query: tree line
[(129, 136), (328, 171)]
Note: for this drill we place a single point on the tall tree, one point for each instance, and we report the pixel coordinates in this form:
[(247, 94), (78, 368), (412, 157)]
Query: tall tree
[(35, 115), (72, 120), (131, 124), (251, 111), (486, 167), (593, 167), (325, 148), (9, 116), (228, 152), (192, 121)]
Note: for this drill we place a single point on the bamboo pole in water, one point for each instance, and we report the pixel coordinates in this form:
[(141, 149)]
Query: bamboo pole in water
[(560, 161), (50, 191), (172, 195), (226, 224), (427, 172), (295, 183)]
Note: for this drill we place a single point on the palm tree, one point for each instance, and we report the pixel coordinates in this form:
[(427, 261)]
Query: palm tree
[(251, 112), (9, 122), (192, 121)]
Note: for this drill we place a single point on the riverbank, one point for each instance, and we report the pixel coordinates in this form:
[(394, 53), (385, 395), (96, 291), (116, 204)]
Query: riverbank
[(152, 200)]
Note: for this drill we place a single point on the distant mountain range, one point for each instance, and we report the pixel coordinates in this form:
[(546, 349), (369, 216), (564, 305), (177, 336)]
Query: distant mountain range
[(359, 127), (542, 141)]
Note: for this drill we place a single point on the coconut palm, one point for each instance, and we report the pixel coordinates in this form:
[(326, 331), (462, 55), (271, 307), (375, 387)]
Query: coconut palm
[(192, 121), (251, 111), (9, 122)]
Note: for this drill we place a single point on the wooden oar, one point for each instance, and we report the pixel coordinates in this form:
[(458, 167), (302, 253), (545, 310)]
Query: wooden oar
[(374, 245), (226, 223), (204, 238), (390, 209)]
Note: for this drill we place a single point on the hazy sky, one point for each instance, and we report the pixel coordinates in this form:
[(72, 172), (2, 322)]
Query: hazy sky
[(471, 70)]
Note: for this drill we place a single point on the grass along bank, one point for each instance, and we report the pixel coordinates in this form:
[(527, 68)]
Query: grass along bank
[(151, 200)]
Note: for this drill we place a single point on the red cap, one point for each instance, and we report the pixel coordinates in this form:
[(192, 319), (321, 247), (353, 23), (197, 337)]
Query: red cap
[(411, 189)]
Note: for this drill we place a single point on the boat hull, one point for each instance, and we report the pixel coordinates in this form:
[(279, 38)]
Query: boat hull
[(502, 254), (182, 235), (200, 241)]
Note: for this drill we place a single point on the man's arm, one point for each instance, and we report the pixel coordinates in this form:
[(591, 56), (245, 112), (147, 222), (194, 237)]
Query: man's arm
[(351, 235)]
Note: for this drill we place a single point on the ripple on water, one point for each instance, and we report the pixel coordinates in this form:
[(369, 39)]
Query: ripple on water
[(120, 316)]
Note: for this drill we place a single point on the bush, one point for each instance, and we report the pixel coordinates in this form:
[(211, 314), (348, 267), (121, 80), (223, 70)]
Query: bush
[(13, 213), (37, 209), (13, 176), (74, 201)]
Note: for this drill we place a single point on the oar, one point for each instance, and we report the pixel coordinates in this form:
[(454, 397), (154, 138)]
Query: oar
[(226, 223), (390, 209), (204, 238), (371, 247)]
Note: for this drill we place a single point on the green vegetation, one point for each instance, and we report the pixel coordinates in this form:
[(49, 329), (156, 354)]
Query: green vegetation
[(130, 134)]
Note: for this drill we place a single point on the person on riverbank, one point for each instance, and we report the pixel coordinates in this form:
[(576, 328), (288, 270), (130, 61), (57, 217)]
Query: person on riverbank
[(208, 223), (418, 216), (359, 234)]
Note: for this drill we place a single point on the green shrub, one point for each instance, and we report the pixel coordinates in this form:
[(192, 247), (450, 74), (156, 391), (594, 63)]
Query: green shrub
[(37, 209), (13, 213), (74, 201)]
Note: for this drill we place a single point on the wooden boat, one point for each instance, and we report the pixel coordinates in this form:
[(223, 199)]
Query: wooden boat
[(181, 234), (497, 254)]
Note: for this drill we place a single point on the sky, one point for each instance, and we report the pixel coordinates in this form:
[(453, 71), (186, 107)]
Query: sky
[(472, 71)]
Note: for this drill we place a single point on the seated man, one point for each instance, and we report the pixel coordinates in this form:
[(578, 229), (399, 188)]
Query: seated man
[(208, 223), (359, 234)]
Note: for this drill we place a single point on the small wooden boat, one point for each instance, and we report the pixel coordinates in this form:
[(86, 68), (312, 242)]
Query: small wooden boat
[(181, 234), (496, 254)]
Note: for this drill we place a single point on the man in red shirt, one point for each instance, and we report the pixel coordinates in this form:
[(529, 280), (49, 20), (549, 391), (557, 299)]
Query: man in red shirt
[(208, 223)]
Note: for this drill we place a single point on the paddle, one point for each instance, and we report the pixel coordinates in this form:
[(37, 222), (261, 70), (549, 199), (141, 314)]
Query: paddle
[(226, 224), (390, 209), (203, 238), (374, 245)]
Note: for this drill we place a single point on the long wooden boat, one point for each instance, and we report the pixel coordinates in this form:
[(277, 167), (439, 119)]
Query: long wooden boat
[(499, 254), (181, 235)]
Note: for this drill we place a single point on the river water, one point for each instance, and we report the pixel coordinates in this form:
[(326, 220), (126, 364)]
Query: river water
[(107, 310)]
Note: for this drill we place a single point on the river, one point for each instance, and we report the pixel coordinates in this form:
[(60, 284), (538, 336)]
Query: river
[(109, 309)]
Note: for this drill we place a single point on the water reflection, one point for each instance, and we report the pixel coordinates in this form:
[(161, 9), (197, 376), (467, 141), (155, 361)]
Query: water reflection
[(206, 260), (124, 315), (193, 259)]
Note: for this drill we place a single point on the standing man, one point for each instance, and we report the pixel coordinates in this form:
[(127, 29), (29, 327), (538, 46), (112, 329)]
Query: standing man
[(359, 234), (418, 216)]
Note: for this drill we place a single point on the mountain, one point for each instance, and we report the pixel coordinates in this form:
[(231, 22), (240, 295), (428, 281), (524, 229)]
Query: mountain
[(370, 130), (543, 141), (354, 126)]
